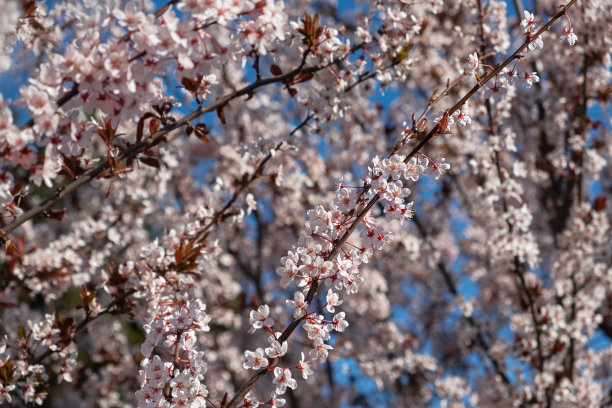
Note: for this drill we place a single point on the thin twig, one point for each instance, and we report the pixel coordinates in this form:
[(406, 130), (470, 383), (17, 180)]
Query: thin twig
[(338, 244), (157, 137)]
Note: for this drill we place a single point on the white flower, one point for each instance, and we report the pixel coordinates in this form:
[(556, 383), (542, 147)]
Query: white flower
[(462, 117), (473, 63), (275, 401), (413, 170), (320, 352), (282, 379), (276, 349), (251, 203), (332, 300), (441, 167), (255, 360), (569, 34), (316, 331), (260, 318), (304, 367), (529, 79), (494, 90), (339, 322), (298, 304), (363, 35), (396, 192), (536, 44), (529, 21), (289, 268), (393, 166), (509, 76)]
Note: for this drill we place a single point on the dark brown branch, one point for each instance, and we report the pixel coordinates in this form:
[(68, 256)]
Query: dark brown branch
[(433, 132), (157, 137)]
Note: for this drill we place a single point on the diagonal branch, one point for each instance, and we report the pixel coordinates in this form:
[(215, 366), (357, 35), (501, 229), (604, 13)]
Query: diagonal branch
[(159, 136), (436, 130)]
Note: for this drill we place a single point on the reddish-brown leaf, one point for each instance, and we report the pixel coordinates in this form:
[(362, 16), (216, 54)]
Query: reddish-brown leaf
[(140, 126), (55, 214), (150, 161), (220, 114), (275, 69), (600, 203), (17, 188), (302, 78), (192, 84), (201, 132), (153, 126)]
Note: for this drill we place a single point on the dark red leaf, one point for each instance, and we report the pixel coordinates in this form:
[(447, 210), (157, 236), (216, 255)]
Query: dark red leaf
[(221, 115), (192, 84), (17, 188), (302, 78), (55, 214), (140, 126), (600, 203), (153, 126), (275, 69), (150, 161)]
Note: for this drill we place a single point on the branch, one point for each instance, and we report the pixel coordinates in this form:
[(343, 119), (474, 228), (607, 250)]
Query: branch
[(88, 319), (433, 132), (158, 136)]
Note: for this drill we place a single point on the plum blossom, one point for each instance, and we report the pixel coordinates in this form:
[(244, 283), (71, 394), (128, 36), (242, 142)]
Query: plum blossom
[(441, 167), (568, 33), (473, 64), (298, 304), (413, 169), (255, 360), (275, 401), (304, 367), (339, 322), (495, 91), (529, 21), (393, 167), (536, 44), (332, 300), (142, 220), (282, 379), (462, 117), (260, 318), (528, 79), (276, 349)]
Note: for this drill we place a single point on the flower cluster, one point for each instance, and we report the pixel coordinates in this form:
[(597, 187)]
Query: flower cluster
[(529, 24), (311, 260), (19, 349), (172, 367), (109, 203)]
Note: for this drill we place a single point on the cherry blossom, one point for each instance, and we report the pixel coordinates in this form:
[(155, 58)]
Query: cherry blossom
[(255, 360), (282, 379), (473, 64), (206, 202), (260, 318), (568, 33), (529, 21)]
